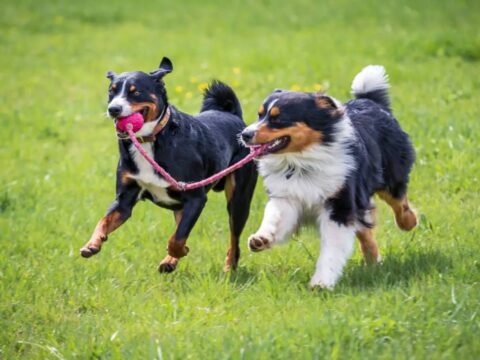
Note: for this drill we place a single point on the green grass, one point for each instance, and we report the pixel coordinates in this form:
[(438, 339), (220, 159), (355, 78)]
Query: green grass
[(58, 156)]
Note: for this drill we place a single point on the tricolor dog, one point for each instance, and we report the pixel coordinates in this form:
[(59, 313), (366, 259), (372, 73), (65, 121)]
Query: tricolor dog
[(188, 147), (324, 163)]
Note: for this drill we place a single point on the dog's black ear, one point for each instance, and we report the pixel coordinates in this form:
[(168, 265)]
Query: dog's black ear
[(164, 68), (111, 75), (278, 90)]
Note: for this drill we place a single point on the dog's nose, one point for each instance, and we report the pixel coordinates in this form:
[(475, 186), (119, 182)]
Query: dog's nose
[(247, 135), (114, 110)]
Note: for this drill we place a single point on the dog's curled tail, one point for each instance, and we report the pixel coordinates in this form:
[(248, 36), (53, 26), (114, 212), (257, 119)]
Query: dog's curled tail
[(221, 97), (372, 83)]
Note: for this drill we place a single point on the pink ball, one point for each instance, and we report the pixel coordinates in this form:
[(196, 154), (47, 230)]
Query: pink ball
[(136, 119)]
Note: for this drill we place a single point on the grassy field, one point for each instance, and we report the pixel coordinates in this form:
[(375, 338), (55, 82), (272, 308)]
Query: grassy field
[(58, 156)]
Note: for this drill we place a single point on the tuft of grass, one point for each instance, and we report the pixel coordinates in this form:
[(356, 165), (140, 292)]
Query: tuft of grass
[(59, 154)]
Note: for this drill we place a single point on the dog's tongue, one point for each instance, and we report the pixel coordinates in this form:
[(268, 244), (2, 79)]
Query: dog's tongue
[(136, 119)]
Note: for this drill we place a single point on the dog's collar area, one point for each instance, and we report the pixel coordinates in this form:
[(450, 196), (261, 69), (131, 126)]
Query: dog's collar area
[(156, 130)]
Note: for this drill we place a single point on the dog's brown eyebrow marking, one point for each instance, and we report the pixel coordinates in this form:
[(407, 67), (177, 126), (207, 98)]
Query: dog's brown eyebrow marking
[(114, 86), (261, 110), (275, 111), (132, 88)]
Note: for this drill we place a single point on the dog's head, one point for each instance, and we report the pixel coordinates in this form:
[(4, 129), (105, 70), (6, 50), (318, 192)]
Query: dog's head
[(290, 121), (136, 91)]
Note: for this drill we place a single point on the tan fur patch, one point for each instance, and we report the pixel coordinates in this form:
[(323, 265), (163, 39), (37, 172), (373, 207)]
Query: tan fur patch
[(132, 88), (368, 245), (261, 110), (114, 86), (177, 248), (301, 137), (104, 227), (275, 111), (231, 261), (325, 103), (152, 110), (405, 217), (229, 186), (126, 177)]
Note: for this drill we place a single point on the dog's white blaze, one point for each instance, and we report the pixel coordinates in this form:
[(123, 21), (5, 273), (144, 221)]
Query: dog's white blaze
[(121, 100), (336, 246), (146, 177)]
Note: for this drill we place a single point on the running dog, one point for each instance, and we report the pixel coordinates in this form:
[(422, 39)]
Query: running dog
[(324, 162), (190, 148)]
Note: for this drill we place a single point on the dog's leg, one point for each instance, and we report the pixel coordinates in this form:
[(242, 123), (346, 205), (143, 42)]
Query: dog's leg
[(366, 237), (368, 245), (119, 212), (335, 248), (193, 204), (239, 188), (280, 220), (405, 216), (169, 263)]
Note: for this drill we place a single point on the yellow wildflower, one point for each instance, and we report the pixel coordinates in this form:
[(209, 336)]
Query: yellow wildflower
[(202, 86)]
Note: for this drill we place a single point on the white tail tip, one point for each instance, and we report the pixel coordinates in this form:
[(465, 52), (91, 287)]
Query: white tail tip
[(371, 78)]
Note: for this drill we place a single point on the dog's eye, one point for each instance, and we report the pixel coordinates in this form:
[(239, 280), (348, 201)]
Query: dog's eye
[(136, 93)]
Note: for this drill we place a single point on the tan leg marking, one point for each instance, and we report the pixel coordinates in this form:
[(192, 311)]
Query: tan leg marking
[(231, 261), (229, 186), (104, 227), (368, 245), (169, 262), (405, 216)]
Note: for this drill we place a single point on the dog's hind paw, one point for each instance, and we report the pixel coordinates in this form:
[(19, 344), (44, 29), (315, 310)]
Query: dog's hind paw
[(168, 264), (258, 243)]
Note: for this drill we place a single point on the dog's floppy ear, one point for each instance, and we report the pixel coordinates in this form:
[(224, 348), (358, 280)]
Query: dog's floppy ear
[(164, 68), (326, 103), (111, 75)]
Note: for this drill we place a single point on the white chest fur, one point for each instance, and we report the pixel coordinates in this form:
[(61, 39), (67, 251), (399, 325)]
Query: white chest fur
[(310, 177), (146, 177)]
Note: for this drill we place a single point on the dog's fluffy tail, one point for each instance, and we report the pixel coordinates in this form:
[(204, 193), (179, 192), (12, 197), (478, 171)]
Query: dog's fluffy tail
[(221, 97), (372, 83)]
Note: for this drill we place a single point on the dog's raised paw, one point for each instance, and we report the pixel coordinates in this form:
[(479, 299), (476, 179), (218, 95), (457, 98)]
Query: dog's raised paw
[(258, 243), (89, 251), (168, 264)]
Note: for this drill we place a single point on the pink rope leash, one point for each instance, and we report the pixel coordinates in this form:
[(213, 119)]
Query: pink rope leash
[(182, 186)]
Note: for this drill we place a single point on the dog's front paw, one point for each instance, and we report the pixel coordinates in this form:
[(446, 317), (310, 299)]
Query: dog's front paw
[(92, 247), (168, 264), (320, 282), (89, 250), (258, 242)]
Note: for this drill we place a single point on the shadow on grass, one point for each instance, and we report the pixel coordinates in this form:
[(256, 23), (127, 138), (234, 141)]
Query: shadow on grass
[(396, 269)]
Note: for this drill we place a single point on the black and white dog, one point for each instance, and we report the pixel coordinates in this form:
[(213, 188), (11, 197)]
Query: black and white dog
[(325, 161), (190, 148)]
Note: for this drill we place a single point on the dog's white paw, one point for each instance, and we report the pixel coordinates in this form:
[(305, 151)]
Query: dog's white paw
[(322, 282), (259, 242)]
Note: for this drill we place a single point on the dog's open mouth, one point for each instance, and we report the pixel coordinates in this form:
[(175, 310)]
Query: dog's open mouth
[(274, 145)]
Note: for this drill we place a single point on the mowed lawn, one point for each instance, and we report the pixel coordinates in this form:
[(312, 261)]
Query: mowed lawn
[(58, 155)]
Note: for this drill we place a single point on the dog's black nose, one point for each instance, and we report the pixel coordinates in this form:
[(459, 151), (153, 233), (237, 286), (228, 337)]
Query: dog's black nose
[(247, 135), (114, 110)]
